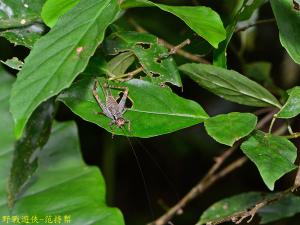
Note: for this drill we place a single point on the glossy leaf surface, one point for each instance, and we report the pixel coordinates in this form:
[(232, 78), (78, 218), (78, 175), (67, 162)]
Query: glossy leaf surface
[(229, 128), (155, 110), (274, 156), (60, 56), (292, 107), (230, 85)]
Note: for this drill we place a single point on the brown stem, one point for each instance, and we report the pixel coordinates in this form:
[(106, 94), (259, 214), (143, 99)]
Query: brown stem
[(183, 53), (211, 177), (258, 22)]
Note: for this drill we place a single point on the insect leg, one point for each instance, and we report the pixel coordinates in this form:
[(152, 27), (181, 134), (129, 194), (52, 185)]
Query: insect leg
[(123, 101), (100, 103)]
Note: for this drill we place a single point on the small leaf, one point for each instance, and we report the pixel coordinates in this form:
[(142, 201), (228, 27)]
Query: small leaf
[(292, 107), (274, 156), (118, 65), (227, 208), (288, 21), (53, 9), (231, 127), (13, 63), (203, 20), (155, 110), (150, 53), (259, 71), (230, 85), (60, 56)]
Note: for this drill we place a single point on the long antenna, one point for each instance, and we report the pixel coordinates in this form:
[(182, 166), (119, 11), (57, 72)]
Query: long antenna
[(142, 174)]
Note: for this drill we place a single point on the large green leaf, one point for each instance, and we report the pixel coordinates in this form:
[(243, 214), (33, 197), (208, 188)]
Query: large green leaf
[(232, 206), (152, 55), (288, 21), (274, 156), (155, 110), (53, 9), (230, 85), (60, 56), (203, 20), (292, 107), (62, 184), (229, 128), (36, 135)]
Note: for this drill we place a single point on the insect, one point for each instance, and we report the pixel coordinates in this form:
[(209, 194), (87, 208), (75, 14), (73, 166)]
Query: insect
[(111, 108)]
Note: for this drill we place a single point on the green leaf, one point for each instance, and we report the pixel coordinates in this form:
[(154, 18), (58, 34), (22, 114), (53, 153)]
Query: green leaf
[(53, 9), (203, 20), (230, 85), (231, 127), (152, 55), (155, 108), (274, 156), (288, 21), (19, 13), (13, 63), (60, 56), (62, 184), (292, 107), (119, 64), (227, 208), (26, 150), (259, 71)]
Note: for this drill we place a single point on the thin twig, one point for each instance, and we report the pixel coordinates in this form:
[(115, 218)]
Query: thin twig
[(183, 53), (212, 176), (258, 22)]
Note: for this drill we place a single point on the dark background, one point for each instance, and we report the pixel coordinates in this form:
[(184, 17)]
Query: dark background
[(172, 164)]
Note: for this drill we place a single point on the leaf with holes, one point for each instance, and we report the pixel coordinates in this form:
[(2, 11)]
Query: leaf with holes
[(288, 21), (13, 63), (154, 111), (53, 9), (274, 156), (230, 85), (231, 127), (60, 56), (203, 20), (292, 107), (152, 55)]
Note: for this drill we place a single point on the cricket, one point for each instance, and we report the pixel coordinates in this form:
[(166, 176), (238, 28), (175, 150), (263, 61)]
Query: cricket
[(111, 108)]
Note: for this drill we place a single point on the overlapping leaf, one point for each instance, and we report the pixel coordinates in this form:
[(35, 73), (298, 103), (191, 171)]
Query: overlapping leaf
[(203, 20), (60, 56), (62, 184), (229, 128), (53, 9), (230, 85), (292, 107), (152, 55), (288, 21), (155, 110), (274, 156)]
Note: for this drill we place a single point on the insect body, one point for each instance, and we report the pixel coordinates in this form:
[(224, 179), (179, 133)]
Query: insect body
[(111, 108)]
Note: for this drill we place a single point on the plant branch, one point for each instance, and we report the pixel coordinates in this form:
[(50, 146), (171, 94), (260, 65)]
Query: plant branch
[(183, 53), (212, 176), (258, 22)]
